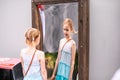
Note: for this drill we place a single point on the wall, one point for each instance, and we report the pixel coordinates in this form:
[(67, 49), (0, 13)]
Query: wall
[(104, 38), (15, 18)]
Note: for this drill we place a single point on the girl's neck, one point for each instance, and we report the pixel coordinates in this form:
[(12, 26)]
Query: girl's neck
[(31, 48), (67, 38)]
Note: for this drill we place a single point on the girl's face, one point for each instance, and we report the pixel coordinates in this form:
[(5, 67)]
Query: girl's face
[(66, 30)]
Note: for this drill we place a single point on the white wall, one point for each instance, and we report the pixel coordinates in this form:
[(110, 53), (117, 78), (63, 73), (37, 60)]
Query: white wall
[(104, 38), (15, 18)]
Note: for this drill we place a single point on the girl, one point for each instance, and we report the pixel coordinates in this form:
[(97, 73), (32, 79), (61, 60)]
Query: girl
[(66, 54), (30, 55)]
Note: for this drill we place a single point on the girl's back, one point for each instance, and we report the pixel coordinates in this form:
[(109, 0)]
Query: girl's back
[(34, 71)]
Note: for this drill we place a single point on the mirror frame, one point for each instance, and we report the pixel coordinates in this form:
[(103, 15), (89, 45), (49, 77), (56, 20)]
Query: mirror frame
[(83, 31)]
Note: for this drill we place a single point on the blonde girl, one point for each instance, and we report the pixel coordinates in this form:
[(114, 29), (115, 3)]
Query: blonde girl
[(66, 53), (37, 70)]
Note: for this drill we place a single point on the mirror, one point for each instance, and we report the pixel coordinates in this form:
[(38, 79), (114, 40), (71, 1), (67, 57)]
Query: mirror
[(53, 16), (53, 27)]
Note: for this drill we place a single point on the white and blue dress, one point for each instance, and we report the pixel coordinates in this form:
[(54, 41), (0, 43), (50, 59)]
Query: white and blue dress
[(34, 72), (64, 63)]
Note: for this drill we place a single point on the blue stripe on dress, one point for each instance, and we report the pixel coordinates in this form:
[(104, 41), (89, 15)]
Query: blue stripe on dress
[(63, 71)]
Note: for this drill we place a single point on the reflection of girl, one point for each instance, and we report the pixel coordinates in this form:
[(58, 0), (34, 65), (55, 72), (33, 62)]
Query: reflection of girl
[(66, 54), (37, 69)]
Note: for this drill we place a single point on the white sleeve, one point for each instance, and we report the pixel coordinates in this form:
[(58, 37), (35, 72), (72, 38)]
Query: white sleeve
[(116, 76)]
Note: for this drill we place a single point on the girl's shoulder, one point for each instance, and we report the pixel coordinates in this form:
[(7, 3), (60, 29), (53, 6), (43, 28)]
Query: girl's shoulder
[(72, 41), (62, 40), (40, 54), (23, 51)]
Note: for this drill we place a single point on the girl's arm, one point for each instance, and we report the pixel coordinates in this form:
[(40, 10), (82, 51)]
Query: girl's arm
[(43, 68), (22, 62), (56, 64), (72, 60)]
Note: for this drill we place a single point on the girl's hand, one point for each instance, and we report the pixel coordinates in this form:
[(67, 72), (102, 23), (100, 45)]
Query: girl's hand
[(52, 77)]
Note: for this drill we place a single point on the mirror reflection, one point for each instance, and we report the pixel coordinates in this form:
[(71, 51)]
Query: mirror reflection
[(52, 17)]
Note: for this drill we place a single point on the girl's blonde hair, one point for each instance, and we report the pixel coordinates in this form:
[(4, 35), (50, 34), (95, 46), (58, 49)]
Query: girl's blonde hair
[(69, 22), (31, 35)]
